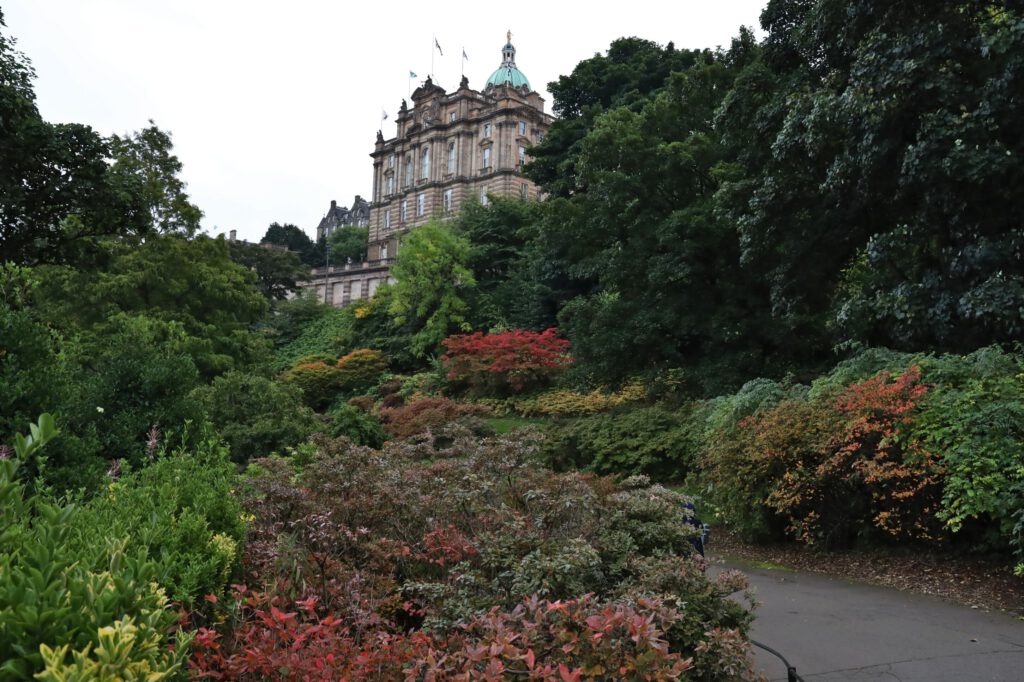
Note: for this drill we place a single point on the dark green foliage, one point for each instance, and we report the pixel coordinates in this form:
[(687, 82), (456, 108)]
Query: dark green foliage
[(143, 162), (644, 440), (276, 271), (296, 241), (362, 428), (348, 243), (515, 287), (135, 378), (255, 415), (309, 328)]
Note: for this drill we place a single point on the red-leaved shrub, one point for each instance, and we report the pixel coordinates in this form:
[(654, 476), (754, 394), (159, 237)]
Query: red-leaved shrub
[(510, 361), (407, 420)]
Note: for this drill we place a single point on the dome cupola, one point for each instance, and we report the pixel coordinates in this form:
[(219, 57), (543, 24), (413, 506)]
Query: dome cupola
[(508, 73)]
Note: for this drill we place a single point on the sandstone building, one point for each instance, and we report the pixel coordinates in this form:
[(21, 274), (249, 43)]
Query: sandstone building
[(450, 148), (339, 216)]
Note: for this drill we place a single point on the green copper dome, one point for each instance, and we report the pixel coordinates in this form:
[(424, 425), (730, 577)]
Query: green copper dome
[(507, 73)]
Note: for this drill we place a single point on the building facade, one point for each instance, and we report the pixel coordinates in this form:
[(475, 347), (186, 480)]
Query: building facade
[(339, 216), (450, 148)]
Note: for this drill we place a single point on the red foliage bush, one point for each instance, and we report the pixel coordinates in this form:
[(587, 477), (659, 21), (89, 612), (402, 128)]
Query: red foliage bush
[(509, 361), (428, 413), (467, 564), (550, 641)]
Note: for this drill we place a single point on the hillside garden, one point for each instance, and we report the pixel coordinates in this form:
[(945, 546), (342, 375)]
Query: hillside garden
[(781, 278)]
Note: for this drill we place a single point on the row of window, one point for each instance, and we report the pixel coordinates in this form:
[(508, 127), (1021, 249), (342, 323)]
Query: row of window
[(425, 165), (447, 201)]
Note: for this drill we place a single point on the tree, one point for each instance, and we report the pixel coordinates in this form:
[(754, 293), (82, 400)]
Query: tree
[(295, 240), (143, 162), (513, 288), (277, 271), (880, 151), (349, 242), (190, 282), (61, 198), (432, 287)]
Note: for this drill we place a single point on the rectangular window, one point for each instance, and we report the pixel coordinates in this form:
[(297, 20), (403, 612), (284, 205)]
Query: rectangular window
[(404, 210), (452, 116), (522, 127), (425, 163), (483, 197), (408, 171), (387, 219), (391, 161), (522, 155), (487, 130), (524, 190), (451, 158), (391, 184), (487, 157), (421, 204), (447, 201)]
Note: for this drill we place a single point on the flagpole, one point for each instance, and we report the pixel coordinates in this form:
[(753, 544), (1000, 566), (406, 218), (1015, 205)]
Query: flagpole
[(434, 37)]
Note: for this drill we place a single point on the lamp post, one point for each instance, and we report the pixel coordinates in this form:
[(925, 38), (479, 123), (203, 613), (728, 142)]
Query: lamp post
[(327, 266)]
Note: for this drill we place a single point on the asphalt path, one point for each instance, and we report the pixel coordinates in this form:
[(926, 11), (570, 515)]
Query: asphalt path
[(834, 630)]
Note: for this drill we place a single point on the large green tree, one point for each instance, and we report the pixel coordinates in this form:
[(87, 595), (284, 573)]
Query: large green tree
[(880, 149), (349, 242), (296, 240), (191, 282), (277, 271), (433, 283)]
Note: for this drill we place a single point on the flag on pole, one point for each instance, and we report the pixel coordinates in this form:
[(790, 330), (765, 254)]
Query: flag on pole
[(438, 46), (412, 74), (464, 57), (383, 115)]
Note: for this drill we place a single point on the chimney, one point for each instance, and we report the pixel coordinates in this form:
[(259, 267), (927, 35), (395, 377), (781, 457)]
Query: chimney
[(233, 236), (334, 204)]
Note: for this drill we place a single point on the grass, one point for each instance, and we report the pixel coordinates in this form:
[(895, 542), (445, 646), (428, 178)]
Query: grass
[(505, 424)]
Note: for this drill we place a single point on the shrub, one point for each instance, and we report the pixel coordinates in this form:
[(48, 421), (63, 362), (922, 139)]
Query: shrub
[(358, 426), (361, 368), (66, 608), (644, 440), (506, 362), (179, 512), (563, 402), (403, 563), (834, 468), (422, 415), (255, 415), (319, 382)]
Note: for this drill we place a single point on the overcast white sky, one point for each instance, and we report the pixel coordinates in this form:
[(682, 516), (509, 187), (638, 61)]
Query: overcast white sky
[(274, 106)]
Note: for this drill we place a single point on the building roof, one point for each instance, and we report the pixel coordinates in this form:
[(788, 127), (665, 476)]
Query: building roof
[(508, 73)]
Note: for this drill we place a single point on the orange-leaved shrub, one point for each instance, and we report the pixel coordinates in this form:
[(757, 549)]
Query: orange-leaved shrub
[(832, 469), (318, 381), (361, 368)]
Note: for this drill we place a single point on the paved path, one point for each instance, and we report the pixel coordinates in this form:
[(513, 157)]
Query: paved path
[(838, 630)]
